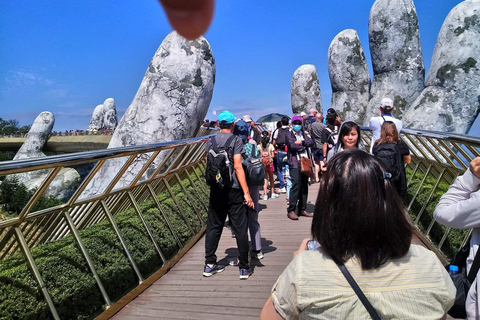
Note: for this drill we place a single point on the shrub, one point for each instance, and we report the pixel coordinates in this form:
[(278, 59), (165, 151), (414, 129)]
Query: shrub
[(65, 271)]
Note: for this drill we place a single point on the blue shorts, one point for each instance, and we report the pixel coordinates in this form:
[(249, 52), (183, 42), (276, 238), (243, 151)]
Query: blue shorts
[(318, 154)]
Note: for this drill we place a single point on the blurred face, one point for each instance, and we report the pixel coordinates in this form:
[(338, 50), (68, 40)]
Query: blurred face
[(350, 140)]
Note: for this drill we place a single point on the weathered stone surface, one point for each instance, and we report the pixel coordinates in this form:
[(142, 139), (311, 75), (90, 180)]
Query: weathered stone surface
[(67, 180), (109, 114), (36, 137), (305, 90), (451, 100), (396, 55), (349, 76), (104, 116), (170, 104), (97, 118)]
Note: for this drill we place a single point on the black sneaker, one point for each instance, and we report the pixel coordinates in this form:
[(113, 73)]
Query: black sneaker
[(210, 271)]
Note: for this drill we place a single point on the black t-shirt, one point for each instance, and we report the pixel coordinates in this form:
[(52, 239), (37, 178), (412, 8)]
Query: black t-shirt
[(326, 133)]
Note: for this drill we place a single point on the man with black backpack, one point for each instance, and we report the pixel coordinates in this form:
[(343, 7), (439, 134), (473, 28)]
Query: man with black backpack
[(279, 139), (229, 195), (329, 137)]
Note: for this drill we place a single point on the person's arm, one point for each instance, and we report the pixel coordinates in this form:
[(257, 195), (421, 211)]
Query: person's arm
[(293, 144), (269, 312), (459, 207), (237, 164), (325, 147), (308, 141)]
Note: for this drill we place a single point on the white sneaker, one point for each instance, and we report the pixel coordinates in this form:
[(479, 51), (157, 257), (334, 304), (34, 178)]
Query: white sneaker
[(274, 195), (265, 197), (282, 190)]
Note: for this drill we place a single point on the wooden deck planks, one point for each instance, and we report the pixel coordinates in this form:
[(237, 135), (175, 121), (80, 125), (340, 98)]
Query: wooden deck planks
[(183, 293)]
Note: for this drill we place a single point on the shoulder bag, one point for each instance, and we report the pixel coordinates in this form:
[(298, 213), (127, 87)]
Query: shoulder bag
[(371, 310)]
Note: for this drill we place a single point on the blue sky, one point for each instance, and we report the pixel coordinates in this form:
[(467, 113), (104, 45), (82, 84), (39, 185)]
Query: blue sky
[(69, 56)]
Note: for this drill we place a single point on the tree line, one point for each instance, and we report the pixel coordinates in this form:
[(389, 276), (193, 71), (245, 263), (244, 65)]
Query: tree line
[(9, 127)]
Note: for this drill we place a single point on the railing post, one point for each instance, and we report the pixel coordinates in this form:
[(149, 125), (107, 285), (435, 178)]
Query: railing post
[(36, 273), (85, 254), (178, 206), (190, 200), (119, 235), (145, 225), (419, 187), (169, 225), (196, 190)]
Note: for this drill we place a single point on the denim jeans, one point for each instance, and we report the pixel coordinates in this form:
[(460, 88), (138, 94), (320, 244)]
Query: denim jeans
[(280, 164)]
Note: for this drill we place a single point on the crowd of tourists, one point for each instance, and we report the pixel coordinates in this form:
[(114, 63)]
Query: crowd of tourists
[(360, 229)]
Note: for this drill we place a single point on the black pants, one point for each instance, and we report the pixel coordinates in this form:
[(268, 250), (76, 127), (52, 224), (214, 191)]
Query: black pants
[(298, 191), (225, 202)]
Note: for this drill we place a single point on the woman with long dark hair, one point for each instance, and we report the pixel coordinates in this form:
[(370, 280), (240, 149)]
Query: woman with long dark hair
[(390, 143), (360, 223)]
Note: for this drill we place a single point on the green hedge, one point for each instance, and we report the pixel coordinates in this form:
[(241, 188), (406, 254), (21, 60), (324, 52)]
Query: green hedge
[(65, 271), (455, 237)]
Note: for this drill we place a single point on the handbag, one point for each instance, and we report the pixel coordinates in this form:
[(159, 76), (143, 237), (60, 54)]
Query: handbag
[(371, 310), (462, 281), (306, 167)]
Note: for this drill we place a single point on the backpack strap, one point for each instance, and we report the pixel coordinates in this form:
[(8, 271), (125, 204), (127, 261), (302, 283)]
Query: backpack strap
[(474, 268), (229, 141)]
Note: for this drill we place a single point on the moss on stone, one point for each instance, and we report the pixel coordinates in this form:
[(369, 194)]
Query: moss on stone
[(197, 80), (313, 79), (448, 71), (151, 68), (378, 37), (187, 49), (400, 103), (469, 22)]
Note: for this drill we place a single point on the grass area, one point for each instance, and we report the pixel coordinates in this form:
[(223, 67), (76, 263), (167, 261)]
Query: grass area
[(65, 271)]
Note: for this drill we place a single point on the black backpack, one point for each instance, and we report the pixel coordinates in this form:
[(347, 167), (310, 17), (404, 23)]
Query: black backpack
[(332, 139), (282, 138), (254, 168), (219, 172), (389, 155)]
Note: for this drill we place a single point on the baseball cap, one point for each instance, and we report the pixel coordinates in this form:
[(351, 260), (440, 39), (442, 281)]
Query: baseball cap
[(302, 114), (241, 129), (226, 117), (247, 118), (386, 103), (297, 118)]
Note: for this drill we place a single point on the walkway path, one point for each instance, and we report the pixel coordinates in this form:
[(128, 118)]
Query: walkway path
[(183, 293)]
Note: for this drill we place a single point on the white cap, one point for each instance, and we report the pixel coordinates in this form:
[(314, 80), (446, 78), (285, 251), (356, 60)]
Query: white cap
[(247, 118), (386, 103), (302, 114)]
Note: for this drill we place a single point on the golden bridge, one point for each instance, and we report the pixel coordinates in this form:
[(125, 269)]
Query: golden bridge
[(136, 251)]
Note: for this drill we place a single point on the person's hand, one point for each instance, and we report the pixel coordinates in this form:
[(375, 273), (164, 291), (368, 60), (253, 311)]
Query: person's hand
[(248, 200), (298, 142), (303, 247), (475, 167), (190, 18)]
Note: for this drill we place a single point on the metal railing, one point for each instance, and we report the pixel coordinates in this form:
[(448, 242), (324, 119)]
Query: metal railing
[(437, 160), (165, 165)]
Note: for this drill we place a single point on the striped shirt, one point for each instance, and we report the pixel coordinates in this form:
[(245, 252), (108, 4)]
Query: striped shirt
[(415, 286)]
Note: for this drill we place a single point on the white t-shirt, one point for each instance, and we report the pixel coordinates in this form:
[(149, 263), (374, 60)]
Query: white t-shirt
[(375, 125)]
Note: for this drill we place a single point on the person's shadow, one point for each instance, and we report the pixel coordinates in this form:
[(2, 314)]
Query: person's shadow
[(232, 254)]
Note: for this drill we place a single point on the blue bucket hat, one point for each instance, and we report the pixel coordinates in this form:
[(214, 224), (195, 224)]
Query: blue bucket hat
[(226, 117)]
